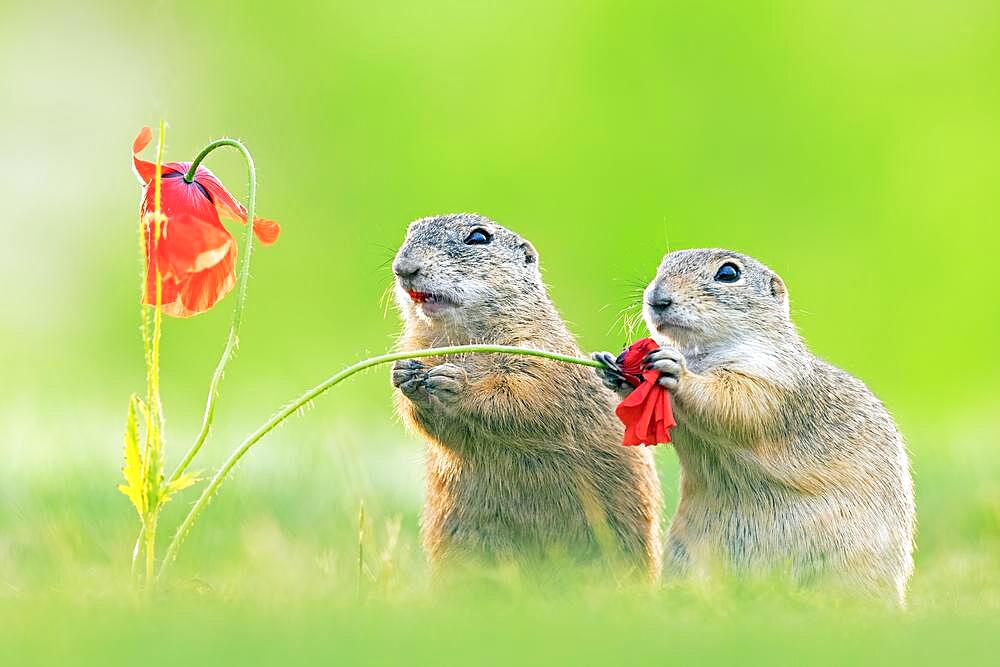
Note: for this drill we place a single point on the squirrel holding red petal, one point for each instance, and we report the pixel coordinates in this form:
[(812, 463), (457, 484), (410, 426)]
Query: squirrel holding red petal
[(789, 466)]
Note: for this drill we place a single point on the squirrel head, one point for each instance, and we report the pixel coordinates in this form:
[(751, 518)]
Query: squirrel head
[(462, 268), (712, 297)]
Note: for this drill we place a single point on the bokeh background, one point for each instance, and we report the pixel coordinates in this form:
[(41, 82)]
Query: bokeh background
[(852, 146)]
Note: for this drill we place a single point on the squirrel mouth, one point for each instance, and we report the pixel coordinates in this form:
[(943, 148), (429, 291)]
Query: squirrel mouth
[(429, 300), (422, 297)]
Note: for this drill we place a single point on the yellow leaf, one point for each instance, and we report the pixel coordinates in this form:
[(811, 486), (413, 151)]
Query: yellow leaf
[(179, 484), (132, 469)]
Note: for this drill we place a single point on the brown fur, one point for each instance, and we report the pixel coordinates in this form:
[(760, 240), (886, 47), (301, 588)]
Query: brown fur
[(524, 459), (788, 464)]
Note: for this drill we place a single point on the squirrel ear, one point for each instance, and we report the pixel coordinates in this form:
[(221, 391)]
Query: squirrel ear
[(778, 289), (530, 254)]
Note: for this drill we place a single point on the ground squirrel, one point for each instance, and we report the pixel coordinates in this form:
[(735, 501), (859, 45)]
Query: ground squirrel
[(787, 463), (524, 457)]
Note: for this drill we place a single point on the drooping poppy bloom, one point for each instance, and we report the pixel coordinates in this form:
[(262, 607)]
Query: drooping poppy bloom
[(195, 254), (646, 412)]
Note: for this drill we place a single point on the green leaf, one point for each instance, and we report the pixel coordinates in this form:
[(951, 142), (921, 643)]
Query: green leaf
[(134, 486)]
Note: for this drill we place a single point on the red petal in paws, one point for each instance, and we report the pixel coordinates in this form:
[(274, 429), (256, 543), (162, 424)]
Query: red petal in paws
[(646, 412)]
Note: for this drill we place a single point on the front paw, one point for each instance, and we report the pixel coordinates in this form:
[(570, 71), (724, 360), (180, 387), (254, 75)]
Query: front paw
[(671, 365), (445, 383), (410, 376), (611, 374)]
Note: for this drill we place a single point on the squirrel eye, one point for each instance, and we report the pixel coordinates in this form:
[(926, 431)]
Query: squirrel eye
[(478, 237), (727, 273)]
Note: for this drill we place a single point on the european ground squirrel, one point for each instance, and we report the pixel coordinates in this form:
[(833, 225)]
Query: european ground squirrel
[(524, 456), (787, 463)]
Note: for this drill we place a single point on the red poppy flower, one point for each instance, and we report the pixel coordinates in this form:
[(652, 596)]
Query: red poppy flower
[(646, 412), (195, 254)]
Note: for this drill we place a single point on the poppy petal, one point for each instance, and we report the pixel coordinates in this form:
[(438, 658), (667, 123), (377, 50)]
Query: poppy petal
[(176, 309), (142, 139), (197, 264), (169, 289), (144, 170), (190, 245), (646, 411), (178, 198), (223, 199), (204, 289), (266, 230)]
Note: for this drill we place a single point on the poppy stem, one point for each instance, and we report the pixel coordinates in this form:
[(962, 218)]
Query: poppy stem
[(218, 143), (291, 408), (232, 342)]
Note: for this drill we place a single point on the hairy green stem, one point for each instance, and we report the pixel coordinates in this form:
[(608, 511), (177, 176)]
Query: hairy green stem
[(154, 409), (241, 297), (310, 395), (149, 535), (149, 233)]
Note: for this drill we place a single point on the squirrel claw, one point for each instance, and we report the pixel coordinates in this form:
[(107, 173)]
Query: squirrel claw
[(669, 383), (611, 374), (671, 365), (408, 375), (446, 382)]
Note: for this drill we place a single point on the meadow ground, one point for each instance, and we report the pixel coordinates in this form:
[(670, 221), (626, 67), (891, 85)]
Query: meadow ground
[(271, 573)]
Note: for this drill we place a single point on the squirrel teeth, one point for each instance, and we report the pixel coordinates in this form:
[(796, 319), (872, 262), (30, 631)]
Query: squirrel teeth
[(422, 297)]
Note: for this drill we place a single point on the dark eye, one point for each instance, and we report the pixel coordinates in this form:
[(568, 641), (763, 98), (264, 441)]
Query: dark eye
[(478, 237), (727, 273)]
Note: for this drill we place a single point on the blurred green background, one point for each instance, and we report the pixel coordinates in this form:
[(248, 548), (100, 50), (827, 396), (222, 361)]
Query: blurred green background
[(852, 146)]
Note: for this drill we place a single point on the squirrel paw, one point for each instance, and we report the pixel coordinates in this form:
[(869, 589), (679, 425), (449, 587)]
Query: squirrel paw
[(445, 382), (611, 375), (409, 376), (671, 365), (437, 385)]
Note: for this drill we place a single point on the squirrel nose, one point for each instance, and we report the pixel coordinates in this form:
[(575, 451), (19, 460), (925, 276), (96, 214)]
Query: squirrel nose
[(661, 303), (405, 268)]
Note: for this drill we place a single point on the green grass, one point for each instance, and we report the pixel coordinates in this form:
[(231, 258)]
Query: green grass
[(271, 572)]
